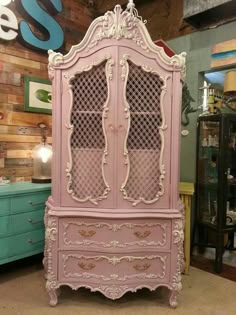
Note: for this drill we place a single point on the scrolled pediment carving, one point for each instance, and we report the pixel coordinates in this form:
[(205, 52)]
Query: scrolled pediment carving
[(119, 24)]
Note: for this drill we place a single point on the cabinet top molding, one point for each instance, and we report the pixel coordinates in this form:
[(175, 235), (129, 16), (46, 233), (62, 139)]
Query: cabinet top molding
[(118, 25)]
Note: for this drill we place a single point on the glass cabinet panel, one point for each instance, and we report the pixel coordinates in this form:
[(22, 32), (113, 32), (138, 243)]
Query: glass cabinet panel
[(207, 172), (231, 175)]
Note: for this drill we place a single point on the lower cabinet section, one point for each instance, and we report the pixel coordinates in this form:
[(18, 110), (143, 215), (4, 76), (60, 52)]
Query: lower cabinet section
[(116, 264), (105, 268)]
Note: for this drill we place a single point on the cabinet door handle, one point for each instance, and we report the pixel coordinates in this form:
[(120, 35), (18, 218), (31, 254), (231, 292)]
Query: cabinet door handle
[(85, 266), (87, 233), (141, 267), (34, 242), (142, 234), (35, 203), (112, 127), (34, 222)]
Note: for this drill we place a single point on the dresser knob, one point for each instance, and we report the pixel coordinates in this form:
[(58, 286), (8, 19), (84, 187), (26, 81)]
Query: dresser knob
[(35, 203), (34, 242), (85, 266), (34, 222), (87, 233), (141, 267), (142, 234)]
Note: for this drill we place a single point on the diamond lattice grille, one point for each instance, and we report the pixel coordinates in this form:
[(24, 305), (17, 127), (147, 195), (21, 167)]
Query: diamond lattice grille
[(90, 93), (144, 140)]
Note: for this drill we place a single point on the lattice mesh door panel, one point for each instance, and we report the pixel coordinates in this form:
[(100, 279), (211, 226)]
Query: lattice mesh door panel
[(144, 141), (90, 93)]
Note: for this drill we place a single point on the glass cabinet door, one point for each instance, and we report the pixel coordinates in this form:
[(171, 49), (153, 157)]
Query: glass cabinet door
[(207, 171), (231, 175)]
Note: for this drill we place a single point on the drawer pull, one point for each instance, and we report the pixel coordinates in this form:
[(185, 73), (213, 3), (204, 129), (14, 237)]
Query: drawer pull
[(88, 266), (87, 233), (36, 203), (141, 267), (34, 242), (34, 222), (142, 234)]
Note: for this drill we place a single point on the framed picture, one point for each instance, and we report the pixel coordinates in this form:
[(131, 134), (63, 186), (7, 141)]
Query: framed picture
[(38, 95)]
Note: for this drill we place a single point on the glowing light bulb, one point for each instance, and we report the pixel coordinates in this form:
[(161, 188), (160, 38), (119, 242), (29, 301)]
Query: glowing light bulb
[(44, 154)]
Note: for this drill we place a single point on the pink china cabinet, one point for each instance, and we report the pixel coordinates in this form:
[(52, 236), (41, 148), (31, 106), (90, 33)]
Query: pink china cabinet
[(114, 222)]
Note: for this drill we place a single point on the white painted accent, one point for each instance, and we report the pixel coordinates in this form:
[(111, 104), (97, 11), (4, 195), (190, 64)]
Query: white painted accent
[(70, 127), (5, 2), (185, 132), (9, 22)]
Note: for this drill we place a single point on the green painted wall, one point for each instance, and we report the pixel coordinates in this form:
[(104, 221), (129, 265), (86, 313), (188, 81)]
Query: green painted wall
[(198, 48)]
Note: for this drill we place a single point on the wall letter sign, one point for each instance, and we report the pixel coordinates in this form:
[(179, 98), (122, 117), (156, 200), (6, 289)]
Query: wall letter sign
[(38, 13)]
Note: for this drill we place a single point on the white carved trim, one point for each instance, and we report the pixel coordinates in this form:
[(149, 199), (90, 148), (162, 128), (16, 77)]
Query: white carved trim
[(70, 127), (114, 261), (114, 291), (178, 235), (118, 24), (115, 228), (50, 239), (124, 77), (54, 59)]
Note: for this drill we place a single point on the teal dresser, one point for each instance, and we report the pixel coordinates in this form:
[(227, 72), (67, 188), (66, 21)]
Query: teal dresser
[(22, 208)]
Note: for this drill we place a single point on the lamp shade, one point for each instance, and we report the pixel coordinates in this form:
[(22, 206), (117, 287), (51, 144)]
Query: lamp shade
[(230, 83), (42, 156)]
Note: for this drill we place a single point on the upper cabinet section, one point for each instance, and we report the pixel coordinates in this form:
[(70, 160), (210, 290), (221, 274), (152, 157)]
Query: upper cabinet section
[(117, 107)]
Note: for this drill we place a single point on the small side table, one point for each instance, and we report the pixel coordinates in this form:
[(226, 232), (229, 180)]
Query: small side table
[(186, 191)]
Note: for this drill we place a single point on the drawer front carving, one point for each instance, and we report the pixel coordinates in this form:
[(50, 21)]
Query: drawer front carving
[(115, 268), (106, 235), (4, 206), (29, 202)]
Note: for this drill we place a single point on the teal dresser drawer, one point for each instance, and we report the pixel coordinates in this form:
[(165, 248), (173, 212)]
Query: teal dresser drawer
[(29, 202), (5, 224), (4, 247), (27, 242), (25, 222), (22, 207), (4, 206)]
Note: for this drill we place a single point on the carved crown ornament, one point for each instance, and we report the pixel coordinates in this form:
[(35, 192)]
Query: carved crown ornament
[(118, 24)]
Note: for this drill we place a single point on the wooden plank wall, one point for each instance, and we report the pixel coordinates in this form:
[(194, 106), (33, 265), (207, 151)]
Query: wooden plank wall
[(164, 17), (19, 131)]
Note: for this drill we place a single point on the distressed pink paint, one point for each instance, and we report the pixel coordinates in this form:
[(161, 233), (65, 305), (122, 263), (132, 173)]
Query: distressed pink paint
[(119, 235)]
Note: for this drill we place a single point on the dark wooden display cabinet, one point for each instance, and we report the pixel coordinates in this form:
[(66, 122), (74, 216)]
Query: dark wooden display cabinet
[(215, 223)]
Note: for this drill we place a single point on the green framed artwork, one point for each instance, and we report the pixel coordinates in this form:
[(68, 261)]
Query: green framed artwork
[(38, 95)]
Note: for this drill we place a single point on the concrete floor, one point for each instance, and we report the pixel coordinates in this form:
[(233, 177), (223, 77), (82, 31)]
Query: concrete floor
[(22, 292)]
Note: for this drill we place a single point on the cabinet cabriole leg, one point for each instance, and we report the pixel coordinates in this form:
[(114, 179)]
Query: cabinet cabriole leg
[(173, 298), (53, 297)]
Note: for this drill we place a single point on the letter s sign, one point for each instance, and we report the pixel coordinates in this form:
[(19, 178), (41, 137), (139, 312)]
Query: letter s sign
[(52, 31)]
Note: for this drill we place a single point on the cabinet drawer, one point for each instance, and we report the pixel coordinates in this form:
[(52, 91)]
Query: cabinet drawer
[(4, 206), (74, 266), (4, 247), (27, 242), (109, 235), (28, 221), (5, 223), (29, 202)]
